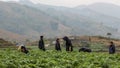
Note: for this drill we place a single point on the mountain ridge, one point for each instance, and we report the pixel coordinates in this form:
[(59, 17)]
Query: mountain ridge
[(106, 8), (31, 22)]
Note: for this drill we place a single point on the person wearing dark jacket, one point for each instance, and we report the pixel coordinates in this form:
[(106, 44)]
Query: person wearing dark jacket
[(57, 45), (24, 50), (83, 49), (69, 46), (41, 43), (111, 48)]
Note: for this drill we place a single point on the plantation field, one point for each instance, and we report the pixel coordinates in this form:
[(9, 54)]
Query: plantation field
[(52, 59)]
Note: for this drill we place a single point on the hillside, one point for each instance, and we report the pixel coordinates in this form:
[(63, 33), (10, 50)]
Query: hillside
[(7, 35), (107, 14), (27, 21), (30, 22), (5, 43), (83, 14), (107, 9)]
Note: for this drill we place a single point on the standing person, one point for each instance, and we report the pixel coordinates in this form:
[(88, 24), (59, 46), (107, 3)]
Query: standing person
[(57, 45), (41, 43), (69, 46), (111, 48)]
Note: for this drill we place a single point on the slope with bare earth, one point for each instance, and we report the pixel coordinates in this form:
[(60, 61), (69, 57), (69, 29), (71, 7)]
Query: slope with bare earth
[(4, 43), (10, 35)]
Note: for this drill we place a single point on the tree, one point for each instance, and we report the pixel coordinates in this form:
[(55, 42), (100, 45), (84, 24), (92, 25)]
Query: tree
[(109, 35)]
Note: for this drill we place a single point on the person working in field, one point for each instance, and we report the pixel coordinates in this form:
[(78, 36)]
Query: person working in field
[(23, 49), (83, 49), (57, 45), (111, 48), (41, 44), (69, 46)]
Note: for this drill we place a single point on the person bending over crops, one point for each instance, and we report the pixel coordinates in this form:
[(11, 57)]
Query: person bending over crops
[(57, 45), (111, 48), (23, 49), (41, 44), (85, 50), (69, 46)]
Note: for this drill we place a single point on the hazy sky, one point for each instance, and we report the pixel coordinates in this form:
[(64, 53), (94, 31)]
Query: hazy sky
[(71, 3)]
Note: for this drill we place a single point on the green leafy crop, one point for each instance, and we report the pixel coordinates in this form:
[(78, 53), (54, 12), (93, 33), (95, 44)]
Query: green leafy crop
[(54, 59)]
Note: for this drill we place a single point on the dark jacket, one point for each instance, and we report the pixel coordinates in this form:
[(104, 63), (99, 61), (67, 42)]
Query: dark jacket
[(69, 46), (24, 50), (57, 46), (41, 44), (85, 50), (112, 49)]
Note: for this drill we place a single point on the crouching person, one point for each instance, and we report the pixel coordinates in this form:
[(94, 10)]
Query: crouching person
[(85, 50), (23, 49)]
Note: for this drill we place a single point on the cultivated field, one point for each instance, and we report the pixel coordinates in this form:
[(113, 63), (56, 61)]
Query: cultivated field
[(98, 58), (52, 59)]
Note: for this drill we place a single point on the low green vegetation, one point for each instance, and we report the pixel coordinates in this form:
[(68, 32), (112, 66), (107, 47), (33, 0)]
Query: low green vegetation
[(53, 59)]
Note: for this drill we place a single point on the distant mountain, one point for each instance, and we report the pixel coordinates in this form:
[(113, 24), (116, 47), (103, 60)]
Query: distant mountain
[(26, 2), (93, 12), (105, 13), (104, 19), (51, 21), (83, 11), (106, 8), (28, 21)]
